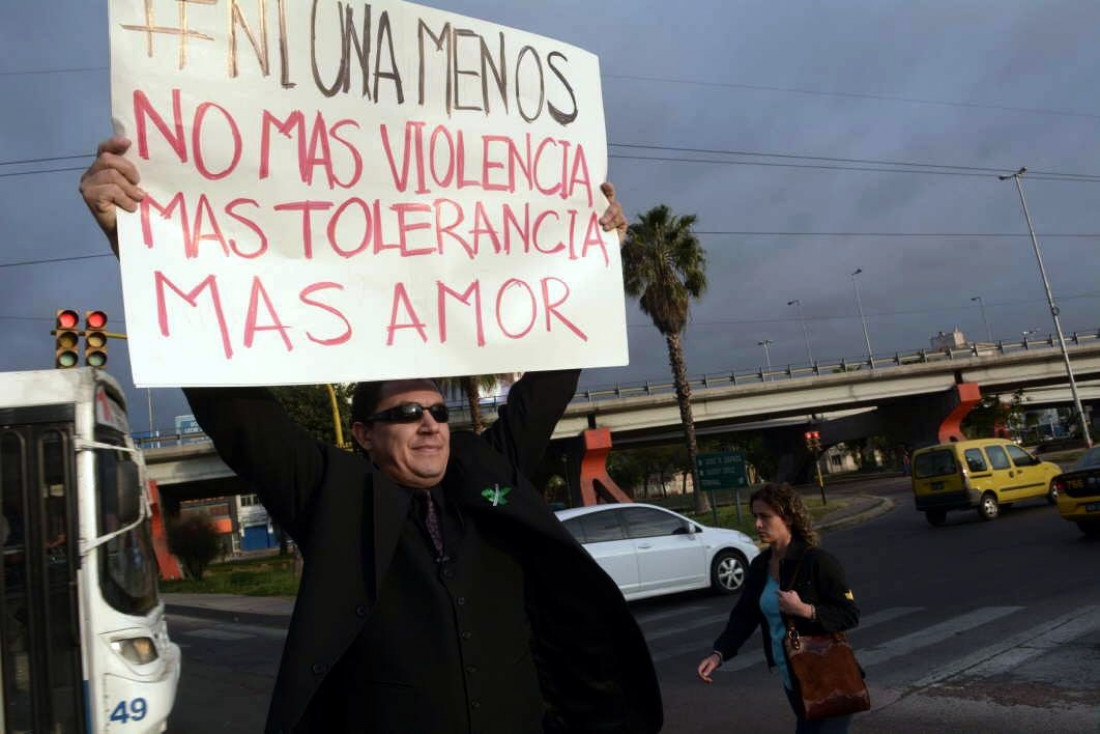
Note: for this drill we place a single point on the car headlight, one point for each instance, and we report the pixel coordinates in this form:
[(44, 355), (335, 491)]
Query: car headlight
[(138, 650)]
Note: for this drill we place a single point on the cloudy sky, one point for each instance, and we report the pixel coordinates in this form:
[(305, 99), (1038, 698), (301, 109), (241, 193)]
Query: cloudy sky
[(782, 107)]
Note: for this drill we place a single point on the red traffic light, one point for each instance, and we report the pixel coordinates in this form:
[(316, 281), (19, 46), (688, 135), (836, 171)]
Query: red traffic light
[(66, 339), (95, 340), (95, 320), (67, 318)]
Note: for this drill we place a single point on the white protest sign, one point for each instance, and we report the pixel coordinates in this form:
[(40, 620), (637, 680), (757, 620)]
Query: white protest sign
[(348, 191)]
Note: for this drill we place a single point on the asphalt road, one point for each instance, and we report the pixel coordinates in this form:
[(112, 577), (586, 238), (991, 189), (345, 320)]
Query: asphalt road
[(974, 626)]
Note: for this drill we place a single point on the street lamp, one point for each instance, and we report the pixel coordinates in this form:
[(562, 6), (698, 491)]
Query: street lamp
[(981, 305), (767, 354), (1054, 311), (806, 334), (862, 318)]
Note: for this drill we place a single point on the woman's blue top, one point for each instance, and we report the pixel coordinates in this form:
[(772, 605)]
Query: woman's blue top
[(777, 629)]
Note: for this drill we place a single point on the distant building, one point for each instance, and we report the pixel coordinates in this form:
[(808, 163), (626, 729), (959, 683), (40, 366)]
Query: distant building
[(943, 342)]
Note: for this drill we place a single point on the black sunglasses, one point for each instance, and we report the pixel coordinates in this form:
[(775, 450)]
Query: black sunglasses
[(411, 413)]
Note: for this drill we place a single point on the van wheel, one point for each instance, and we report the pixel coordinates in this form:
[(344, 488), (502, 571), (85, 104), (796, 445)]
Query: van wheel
[(727, 573), (936, 517), (988, 509)]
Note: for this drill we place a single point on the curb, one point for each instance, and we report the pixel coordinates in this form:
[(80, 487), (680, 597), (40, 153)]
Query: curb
[(881, 507)]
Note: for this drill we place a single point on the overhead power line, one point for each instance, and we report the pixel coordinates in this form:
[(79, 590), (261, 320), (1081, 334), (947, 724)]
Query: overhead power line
[(48, 170), (73, 70), (46, 160), (938, 235), (857, 95), (22, 263), (823, 166), (830, 159)]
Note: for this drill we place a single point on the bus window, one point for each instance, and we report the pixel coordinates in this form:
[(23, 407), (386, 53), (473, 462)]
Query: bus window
[(16, 694), (128, 570)]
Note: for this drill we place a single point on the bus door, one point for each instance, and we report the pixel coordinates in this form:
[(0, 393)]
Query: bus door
[(41, 682)]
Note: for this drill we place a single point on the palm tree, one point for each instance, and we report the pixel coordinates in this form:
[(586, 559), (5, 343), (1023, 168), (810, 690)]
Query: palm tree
[(471, 386), (664, 267)]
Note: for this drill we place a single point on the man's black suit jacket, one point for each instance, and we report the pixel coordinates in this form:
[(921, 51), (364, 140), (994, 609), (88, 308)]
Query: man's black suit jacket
[(594, 667)]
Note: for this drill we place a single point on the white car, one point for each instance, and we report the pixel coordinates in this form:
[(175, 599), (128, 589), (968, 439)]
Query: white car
[(649, 550)]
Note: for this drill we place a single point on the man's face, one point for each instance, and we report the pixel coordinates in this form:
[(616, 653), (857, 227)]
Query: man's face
[(412, 454)]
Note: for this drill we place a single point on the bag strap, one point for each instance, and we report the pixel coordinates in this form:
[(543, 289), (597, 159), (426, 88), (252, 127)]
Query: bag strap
[(792, 633)]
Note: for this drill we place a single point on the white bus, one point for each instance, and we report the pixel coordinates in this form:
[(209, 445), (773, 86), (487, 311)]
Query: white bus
[(83, 644)]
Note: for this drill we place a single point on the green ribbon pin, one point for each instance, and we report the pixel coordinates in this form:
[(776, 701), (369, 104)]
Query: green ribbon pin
[(497, 495)]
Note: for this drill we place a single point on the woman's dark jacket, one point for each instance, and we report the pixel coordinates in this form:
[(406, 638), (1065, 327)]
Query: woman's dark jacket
[(820, 582), (594, 668)]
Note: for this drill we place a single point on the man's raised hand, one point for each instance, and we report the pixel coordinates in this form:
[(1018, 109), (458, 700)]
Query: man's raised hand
[(111, 181)]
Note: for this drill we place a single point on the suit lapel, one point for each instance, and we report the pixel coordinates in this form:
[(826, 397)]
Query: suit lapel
[(391, 507)]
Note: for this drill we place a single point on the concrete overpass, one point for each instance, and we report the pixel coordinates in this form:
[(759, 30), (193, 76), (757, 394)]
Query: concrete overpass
[(906, 397)]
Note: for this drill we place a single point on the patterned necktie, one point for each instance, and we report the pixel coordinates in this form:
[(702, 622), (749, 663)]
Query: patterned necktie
[(431, 521)]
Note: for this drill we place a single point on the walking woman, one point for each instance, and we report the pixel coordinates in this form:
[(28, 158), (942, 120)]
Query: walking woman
[(793, 578)]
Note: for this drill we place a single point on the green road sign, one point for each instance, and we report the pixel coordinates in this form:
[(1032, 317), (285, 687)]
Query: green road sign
[(724, 470)]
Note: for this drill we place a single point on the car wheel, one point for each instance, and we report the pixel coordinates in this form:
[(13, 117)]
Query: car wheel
[(727, 572), (936, 517), (988, 509), (1091, 529), (1052, 493)]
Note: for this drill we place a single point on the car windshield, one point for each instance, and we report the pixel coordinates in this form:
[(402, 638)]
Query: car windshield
[(934, 464), (1091, 460)]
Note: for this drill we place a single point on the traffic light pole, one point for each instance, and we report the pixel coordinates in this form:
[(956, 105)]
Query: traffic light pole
[(820, 479)]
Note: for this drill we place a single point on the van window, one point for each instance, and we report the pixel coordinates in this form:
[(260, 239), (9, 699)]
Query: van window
[(934, 464), (997, 457), (1020, 457), (975, 461)]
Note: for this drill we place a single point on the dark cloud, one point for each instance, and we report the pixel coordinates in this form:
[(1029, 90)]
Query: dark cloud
[(891, 63)]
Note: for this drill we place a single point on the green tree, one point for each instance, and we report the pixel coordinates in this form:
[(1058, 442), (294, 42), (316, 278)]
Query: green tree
[(664, 267), (310, 406), (470, 386), (194, 540)]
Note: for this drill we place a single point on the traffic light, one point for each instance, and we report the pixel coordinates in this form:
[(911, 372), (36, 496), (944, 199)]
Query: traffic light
[(66, 338), (813, 440), (95, 339)]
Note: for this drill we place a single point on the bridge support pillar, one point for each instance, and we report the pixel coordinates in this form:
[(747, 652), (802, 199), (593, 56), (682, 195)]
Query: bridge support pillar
[(169, 566), (586, 469), (925, 420)]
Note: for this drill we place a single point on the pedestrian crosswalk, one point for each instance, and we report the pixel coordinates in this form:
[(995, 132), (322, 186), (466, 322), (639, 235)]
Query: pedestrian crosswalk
[(689, 634)]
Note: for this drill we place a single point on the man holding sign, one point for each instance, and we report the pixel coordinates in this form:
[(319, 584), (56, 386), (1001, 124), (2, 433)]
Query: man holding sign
[(440, 594), (444, 214)]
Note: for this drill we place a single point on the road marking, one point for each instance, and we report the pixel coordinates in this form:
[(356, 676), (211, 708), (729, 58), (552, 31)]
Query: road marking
[(213, 634), (1010, 653), (931, 635), (702, 647), (701, 622), (647, 618), (224, 630)]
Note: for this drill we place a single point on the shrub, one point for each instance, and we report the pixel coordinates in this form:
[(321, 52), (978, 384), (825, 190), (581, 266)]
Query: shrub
[(195, 542)]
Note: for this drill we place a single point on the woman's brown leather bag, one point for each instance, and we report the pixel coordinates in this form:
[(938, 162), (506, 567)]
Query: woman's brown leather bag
[(827, 678)]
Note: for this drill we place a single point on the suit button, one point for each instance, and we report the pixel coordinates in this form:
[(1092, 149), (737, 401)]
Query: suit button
[(471, 669), (448, 573), (461, 601), (360, 611), (320, 668), (475, 705), (466, 635)]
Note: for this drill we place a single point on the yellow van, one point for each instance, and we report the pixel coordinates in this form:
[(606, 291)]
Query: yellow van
[(984, 473)]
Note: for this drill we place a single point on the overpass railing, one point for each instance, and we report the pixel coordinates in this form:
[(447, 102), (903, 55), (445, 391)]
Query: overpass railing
[(489, 405), (761, 375)]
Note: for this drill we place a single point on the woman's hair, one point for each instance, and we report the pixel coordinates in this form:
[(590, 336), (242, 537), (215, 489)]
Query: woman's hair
[(788, 504)]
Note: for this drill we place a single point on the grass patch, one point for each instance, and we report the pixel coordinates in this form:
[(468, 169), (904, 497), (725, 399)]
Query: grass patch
[(727, 514), (267, 576)]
